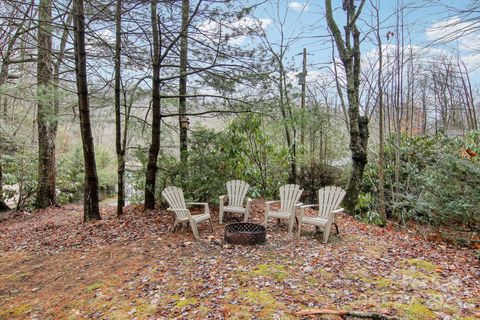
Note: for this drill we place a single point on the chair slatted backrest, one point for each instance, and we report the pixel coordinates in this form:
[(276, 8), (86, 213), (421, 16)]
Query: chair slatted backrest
[(176, 200), (237, 190), (289, 196), (329, 199)]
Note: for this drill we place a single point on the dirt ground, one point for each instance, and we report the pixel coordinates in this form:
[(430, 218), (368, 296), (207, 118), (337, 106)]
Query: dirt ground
[(52, 266)]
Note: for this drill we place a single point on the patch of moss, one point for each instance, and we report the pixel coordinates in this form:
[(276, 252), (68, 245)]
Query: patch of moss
[(383, 283), (269, 306), (142, 308), (185, 302), (276, 271), (379, 282), (16, 311), (94, 286), (436, 302), (415, 311), (421, 264), (418, 278), (261, 297), (237, 312), (145, 309)]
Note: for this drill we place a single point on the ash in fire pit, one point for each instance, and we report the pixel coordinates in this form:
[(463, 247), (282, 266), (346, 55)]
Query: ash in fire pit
[(245, 233)]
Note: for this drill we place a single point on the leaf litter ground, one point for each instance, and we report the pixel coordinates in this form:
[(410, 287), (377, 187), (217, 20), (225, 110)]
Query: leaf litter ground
[(52, 266)]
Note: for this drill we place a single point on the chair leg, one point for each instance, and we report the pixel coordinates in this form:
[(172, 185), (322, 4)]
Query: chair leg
[(299, 228), (195, 230), (290, 225), (221, 217), (326, 233), (336, 227)]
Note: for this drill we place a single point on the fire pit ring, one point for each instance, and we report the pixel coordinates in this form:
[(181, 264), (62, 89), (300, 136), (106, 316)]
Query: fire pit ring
[(245, 233)]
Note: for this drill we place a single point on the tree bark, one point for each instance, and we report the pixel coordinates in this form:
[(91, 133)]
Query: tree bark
[(90, 203), (156, 113), (46, 115), (381, 151), (182, 86), (350, 57), (118, 118)]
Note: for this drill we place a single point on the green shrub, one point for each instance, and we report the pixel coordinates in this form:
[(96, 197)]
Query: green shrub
[(435, 184), (243, 150), (20, 176), (70, 173)]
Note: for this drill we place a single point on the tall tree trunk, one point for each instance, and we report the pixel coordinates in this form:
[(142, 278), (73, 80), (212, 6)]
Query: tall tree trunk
[(151, 173), (350, 56), (118, 118), (46, 115), (292, 175), (424, 107), (381, 151), (182, 86), (90, 203)]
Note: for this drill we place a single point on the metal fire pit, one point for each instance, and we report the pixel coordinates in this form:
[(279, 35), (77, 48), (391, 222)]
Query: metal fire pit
[(245, 233)]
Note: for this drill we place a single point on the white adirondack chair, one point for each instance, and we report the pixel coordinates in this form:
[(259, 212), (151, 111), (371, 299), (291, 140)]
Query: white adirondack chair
[(289, 196), (329, 199), (176, 201), (236, 193)]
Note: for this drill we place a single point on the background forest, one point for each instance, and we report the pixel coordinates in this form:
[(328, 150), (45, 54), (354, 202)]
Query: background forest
[(115, 100)]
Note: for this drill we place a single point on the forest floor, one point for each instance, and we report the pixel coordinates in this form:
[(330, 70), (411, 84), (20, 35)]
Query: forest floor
[(52, 266)]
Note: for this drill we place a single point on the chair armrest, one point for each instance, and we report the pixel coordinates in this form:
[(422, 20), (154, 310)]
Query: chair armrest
[(222, 198), (173, 210), (271, 202), (267, 207), (178, 210), (309, 206), (340, 210), (249, 200), (299, 204), (204, 204), (198, 203)]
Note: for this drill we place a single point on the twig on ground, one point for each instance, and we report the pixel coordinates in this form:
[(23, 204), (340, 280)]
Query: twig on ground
[(343, 314)]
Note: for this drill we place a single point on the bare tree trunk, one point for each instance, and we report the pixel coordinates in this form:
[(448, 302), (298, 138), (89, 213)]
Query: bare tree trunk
[(472, 119), (381, 151), (156, 115), (118, 118), (292, 175), (182, 86), (350, 56), (424, 107), (90, 203), (46, 115)]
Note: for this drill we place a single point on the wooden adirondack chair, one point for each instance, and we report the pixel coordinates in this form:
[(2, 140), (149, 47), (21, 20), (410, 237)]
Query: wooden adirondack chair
[(176, 201), (236, 193), (329, 199), (289, 196)]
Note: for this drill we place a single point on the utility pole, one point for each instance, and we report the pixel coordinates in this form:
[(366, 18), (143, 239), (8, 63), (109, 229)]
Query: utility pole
[(303, 80)]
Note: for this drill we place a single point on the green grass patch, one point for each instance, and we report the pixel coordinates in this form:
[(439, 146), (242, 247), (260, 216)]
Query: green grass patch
[(276, 271), (422, 264), (94, 286), (415, 311)]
